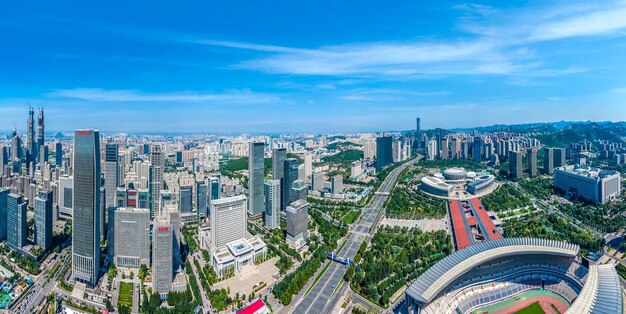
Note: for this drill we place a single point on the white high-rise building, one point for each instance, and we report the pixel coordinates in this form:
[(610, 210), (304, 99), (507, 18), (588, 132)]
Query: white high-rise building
[(272, 203), (369, 150), (432, 149), (129, 236), (308, 165), (228, 219)]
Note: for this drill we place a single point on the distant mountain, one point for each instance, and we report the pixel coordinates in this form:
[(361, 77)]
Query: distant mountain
[(574, 133), (536, 127)]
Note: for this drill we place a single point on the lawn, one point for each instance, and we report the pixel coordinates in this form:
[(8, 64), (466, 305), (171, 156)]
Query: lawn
[(126, 294), (350, 217), (534, 308)]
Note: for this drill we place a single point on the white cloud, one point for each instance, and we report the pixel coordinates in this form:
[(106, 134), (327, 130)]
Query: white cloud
[(102, 95)]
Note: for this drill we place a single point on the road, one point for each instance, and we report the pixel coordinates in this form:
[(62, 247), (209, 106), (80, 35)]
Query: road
[(40, 289), (318, 299)]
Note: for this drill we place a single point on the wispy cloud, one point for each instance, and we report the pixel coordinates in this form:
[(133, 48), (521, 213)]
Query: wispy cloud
[(501, 47), (387, 95), (102, 95)]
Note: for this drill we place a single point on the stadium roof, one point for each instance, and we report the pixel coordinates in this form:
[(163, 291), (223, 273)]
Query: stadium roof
[(435, 279), (602, 293)]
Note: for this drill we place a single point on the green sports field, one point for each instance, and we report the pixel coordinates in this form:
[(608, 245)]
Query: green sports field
[(534, 308), (510, 302)]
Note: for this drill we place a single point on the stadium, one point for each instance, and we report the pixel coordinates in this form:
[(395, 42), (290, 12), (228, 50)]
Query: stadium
[(515, 274), (458, 183)]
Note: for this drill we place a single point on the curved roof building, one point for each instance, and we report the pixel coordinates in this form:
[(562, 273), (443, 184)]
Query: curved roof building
[(455, 173), (436, 186), (488, 273), (480, 183)]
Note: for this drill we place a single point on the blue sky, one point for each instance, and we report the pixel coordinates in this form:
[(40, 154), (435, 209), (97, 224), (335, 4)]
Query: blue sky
[(320, 66)]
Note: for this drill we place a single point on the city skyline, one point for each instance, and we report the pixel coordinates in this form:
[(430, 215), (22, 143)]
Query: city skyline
[(337, 67)]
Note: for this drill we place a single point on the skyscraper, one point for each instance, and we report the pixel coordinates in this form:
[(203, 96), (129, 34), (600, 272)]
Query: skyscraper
[(4, 194), (256, 173), (162, 257), (531, 154), (111, 173), (43, 219), (336, 183), (4, 158), (40, 129), (291, 175), (559, 157), (384, 155), (31, 146), (16, 146), (548, 161), (158, 164), (17, 229), (201, 198), (418, 134), (308, 165), (129, 236), (58, 154), (515, 164), (215, 188), (297, 219), (478, 144), (228, 220), (272, 203), (185, 199), (278, 169), (317, 182), (86, 217)]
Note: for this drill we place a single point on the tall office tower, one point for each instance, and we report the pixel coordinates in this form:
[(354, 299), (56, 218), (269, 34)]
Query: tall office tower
[(548, 160), (455, 148), (228, 220), (158, 164), (336, 184), (86, 217), (16, 146), (418, 134), (65, 197), (256, 174), (121, 166), (43, 219), (162, 257), (43, 156), (477, 153), (111, 173), (31, 145), (279, 155), (384, 155), (272, 203), (317, 182), (202, 195), (102, 212), (559, 157), (215, 188), (4, 156), (297, 219), (439, 138), (4, 194), (308, 165), (531, 154), (129, 236), (515, 164), (17, 228), (369, 150), (395, 151), (185, 199), (58, 154), (444, 148), (40, 129), (431, 148), (174, 216), (291, 175)]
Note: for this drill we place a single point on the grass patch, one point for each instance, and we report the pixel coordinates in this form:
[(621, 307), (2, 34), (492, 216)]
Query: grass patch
[(534, 308), (126, 294), (350, 217)]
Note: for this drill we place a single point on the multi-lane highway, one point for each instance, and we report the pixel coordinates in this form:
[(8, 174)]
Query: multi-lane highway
[(318, 299)]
